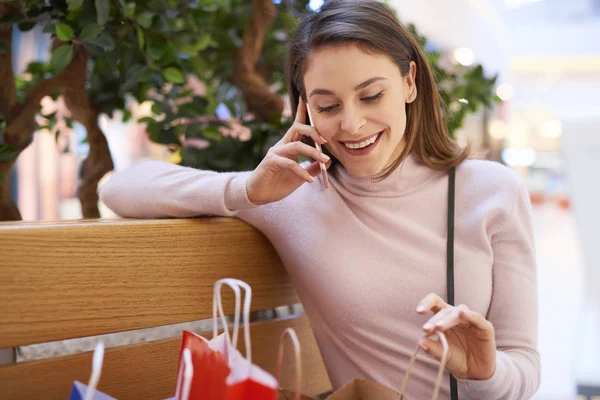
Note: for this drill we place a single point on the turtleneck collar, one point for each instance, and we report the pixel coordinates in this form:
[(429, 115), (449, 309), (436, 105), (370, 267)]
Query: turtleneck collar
[(407, 178)]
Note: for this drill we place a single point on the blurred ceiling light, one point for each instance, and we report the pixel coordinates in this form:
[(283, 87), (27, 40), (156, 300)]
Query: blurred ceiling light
[(497, 129), (512, 4), (517, 135), (505, 91), (519, 157), (315, 5), (464, 56), (551, 129)]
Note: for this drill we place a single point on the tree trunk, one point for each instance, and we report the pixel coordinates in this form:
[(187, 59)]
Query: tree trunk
[(99, 161), (257, 94), (8, 98), (19, 117)]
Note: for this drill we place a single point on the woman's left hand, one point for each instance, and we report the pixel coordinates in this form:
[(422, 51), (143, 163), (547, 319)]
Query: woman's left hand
[(471, 338)]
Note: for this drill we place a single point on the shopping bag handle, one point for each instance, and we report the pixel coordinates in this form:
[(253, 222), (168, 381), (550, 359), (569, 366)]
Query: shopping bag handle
[(291, 333), (440, 375), (235, 285), (97, 361)]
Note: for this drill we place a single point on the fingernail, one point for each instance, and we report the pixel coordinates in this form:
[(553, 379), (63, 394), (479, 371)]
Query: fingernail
[(312, 178), (325, 156), (422, 345), (323, 139), (420, 308), (428, 326)]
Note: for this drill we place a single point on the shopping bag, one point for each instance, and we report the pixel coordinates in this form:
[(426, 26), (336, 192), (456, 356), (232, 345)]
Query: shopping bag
[(220, 370), (184, 380), (360, 389), (81, 391)]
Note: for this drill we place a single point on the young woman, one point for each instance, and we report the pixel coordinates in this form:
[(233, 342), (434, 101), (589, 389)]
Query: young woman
[(368, 256)]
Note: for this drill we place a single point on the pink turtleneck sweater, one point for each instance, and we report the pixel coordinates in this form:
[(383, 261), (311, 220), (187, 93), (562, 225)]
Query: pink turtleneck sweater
[(363, 253)]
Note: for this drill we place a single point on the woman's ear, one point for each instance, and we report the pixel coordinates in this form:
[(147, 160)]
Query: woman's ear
[(410, 85)]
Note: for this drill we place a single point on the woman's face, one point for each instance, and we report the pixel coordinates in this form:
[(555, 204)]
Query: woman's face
[(358, 103)]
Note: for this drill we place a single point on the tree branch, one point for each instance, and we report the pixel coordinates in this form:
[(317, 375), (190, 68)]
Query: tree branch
[(8, 91), (8, 98), (259, 97), (99, 161)]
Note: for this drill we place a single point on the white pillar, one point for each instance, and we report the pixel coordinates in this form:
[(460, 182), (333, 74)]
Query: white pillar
[(581, 145)]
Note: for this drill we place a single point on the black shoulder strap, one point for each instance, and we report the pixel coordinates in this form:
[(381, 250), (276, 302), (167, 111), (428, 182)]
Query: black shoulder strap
[(450, 259)]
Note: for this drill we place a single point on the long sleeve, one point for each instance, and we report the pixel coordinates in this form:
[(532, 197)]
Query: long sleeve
[(157, 189), (513, 309)]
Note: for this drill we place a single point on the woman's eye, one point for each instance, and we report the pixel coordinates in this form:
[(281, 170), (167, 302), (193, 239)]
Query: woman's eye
[(372, 98), (326, 109)]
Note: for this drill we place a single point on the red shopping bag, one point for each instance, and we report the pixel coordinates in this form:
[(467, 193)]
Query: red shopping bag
[(220, 370)]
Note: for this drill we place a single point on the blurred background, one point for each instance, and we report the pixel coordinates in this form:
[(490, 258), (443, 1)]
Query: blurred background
[(544, 122)]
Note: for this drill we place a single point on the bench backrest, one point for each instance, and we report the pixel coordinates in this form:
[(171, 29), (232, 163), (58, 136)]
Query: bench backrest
[(73, 279)]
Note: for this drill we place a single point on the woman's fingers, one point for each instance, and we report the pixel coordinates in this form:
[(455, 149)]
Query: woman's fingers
[(433, 323), (301, 112), (293, 149), (298, 130), (476, 320), (291, 165), (432, 302)]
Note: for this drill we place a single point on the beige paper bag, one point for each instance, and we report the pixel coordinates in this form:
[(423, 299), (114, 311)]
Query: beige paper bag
[(360, 389)]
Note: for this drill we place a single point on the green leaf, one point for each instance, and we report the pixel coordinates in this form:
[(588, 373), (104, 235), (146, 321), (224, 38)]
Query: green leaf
[(74, 4), (105, 41), (27, 26), (154, 130), (126, 116), (8, 152), (61, 57), (102, 11), (173, 75), (145, 19), (133, 77), (156, 109), (199, 66), (129, 10), (90, 32), (140, 37), (146, 120), (64, 32), (211, 134), (203, 42)]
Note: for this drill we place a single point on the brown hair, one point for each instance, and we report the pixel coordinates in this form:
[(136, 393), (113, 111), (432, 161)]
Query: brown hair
[(374, 27)]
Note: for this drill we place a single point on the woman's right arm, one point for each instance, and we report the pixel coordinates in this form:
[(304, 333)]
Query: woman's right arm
[(157, 189)]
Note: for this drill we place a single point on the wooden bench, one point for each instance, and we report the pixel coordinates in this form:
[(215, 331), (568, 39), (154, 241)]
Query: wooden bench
[(73, 279)]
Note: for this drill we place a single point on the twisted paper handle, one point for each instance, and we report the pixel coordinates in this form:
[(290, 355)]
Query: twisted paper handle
[(440, 375), (294, 338)]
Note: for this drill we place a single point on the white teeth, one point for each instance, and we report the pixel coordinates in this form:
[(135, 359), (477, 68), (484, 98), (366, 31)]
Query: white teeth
[(362, 144)]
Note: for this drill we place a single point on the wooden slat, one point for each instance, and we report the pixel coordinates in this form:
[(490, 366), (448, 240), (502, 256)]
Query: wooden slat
[(148, 371), (75, 279)]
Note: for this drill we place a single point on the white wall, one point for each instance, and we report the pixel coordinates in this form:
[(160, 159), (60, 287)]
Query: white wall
[(457, 23), (581, 146)]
